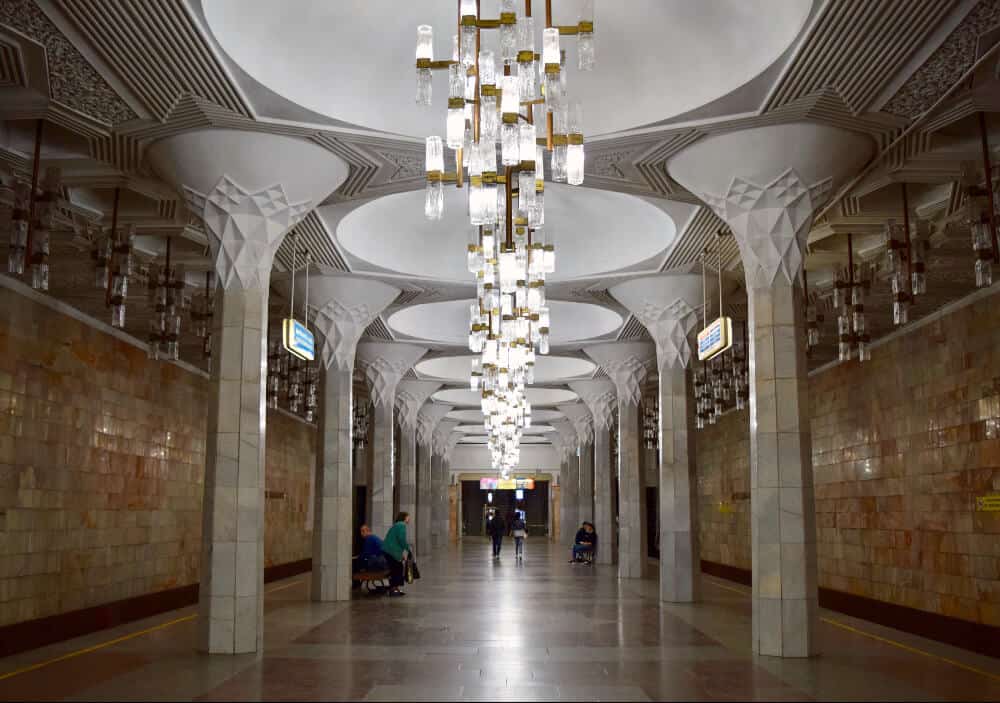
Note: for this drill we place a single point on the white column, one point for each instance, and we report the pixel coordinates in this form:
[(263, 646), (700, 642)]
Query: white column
[(625, 363), (245, 229), (667, 306), (427, 420), (599, 395), (782, 505), (384, 364), (439, 483), (565, 443), (410, 397), (583, 424), (345, 306), (766, 184)]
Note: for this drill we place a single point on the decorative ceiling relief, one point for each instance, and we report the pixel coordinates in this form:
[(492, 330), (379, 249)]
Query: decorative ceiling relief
[(947, 64), (74, 82)]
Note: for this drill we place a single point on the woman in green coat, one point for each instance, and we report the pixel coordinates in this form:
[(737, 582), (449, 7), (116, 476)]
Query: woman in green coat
[(396, 550)]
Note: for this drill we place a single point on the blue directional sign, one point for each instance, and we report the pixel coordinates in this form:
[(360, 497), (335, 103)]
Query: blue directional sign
[(298, 340), (715, 339)]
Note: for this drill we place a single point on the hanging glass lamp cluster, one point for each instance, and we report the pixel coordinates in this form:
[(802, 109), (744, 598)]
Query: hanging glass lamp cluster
[(202, 312), (723, 382), (491, 128), (650, 421), (292, 384), (978, 218), (361, 418), (849, 302), (165, 285)]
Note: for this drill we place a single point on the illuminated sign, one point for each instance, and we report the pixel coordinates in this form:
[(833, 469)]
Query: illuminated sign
[(506, 484), (715, 339), (298, 340), (988, 503)]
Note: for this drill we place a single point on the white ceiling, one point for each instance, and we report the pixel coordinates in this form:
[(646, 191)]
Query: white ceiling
[(391, 233), (353, 60), (447, 322), (463, 397), (475, 416), (548, 369)]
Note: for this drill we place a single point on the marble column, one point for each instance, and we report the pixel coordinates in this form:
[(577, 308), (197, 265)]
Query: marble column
[(782, 507), (667, 305), (565, 442), (586, 504), (345, 305), (766, 183), (439, 483), (599, 395), (625, 363), (410, 397), (245, 229), (384, 364), (427, 419)]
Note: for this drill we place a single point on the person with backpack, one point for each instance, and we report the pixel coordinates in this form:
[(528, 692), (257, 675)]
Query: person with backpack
[(519, 529)]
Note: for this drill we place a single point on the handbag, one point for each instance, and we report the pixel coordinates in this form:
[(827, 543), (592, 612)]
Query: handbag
[(412, 572)]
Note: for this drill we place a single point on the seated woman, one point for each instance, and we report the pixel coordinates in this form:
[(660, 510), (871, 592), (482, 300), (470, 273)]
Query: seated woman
[(584, 544)]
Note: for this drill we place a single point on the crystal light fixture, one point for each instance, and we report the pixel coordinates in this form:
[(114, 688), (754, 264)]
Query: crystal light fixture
[(977, 217), (359, 433), (202, 311), (848, 301), (499, 150), (650, 420), (166, 296)]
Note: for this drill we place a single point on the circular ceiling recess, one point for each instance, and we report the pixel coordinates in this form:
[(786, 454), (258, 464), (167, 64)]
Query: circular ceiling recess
[(477, 417), (463, 397), (392, 233), (483, 439), (548, 369), (353, 60), (448, 322), (478, 429)]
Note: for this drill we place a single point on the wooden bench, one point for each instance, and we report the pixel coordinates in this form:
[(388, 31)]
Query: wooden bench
[(372, 581)]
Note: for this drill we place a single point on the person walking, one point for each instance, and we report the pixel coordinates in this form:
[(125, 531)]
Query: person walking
[(519, 529), (496, 528), (397, 550)]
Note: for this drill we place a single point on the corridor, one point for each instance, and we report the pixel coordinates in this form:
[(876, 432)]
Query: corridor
[(475, 629)]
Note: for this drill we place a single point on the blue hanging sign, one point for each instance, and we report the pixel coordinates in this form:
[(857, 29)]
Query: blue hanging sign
[(715, 339), (298, 340)]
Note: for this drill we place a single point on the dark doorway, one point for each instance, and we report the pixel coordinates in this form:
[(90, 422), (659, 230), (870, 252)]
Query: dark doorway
[(360, 514), (535, 504), (652, 524)]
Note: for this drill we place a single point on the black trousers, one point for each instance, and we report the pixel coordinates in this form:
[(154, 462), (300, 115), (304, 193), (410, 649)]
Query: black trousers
[(396, 577), (497, 543)]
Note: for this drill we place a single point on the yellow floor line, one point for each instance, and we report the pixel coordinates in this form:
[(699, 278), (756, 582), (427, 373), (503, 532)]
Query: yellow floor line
[(123, 638), (879, 638)]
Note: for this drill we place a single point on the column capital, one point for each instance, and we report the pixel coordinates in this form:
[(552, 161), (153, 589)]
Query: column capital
[(667, 305), (452, 440), (427, 421), (565, 438), (771, 222), (766, 183), (625, 364), (599, 396), (410, 397), (245, 228), (441, 435), (583, 423), (384, 364), (344, 307)]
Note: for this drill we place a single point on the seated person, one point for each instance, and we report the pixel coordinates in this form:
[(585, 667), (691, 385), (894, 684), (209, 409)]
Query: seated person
[(371, 557), (585, 543)]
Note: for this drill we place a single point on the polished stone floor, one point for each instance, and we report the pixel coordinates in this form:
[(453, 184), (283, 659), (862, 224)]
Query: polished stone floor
[(475, 629)]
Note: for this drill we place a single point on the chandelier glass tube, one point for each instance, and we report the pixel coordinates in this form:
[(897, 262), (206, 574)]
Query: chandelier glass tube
[(500, 121)]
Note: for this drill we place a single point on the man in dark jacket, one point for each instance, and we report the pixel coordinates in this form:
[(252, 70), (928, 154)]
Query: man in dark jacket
[(496, 528), (584, 544)]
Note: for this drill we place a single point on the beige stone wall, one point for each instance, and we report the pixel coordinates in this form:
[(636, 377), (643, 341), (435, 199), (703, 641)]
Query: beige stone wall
[(902, 446), (101, 465), (723, 456)]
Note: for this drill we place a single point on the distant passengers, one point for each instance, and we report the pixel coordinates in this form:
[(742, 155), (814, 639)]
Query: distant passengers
[(396, 550)]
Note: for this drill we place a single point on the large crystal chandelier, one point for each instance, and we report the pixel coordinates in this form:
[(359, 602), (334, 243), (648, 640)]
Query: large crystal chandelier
[(491, 127)]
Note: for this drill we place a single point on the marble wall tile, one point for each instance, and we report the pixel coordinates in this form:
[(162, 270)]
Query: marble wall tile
[(901, 447), (102, 463)]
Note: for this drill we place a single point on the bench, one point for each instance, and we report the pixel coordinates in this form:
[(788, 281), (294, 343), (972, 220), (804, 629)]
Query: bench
[(372, 581)]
